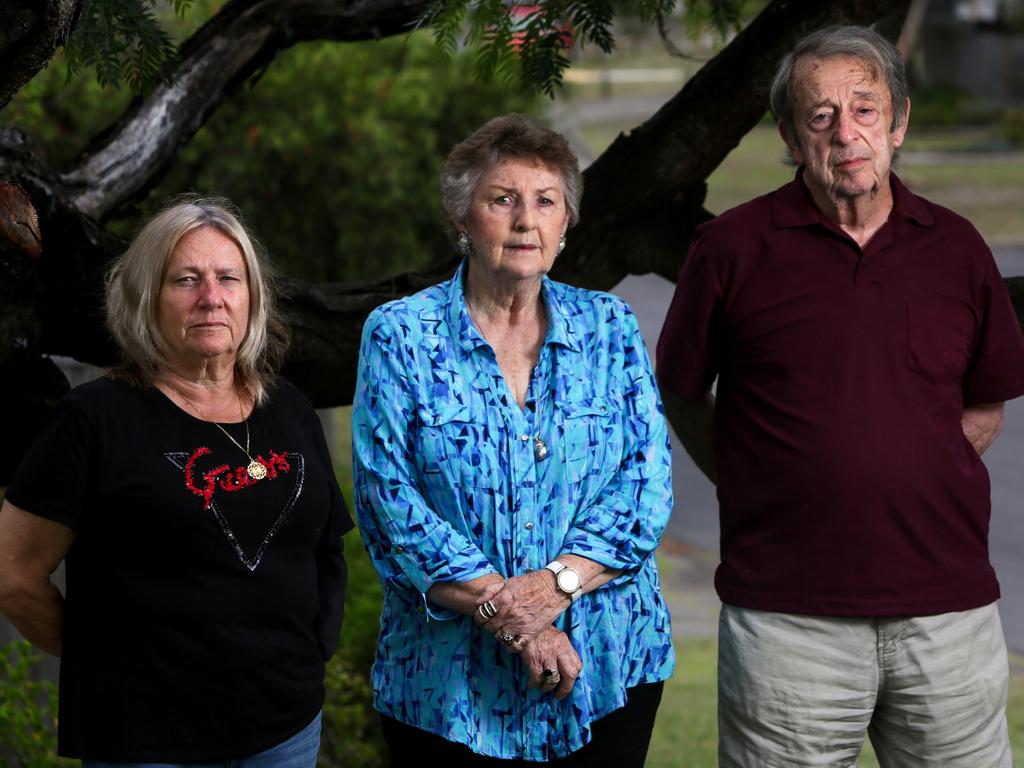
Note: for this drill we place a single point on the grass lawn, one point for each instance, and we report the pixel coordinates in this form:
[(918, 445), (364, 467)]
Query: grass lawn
[(685, 734)]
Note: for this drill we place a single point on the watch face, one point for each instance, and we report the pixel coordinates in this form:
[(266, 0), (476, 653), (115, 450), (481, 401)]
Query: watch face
[(568, 581)]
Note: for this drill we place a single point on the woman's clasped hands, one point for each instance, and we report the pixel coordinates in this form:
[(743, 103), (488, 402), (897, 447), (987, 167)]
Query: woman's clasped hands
[(519, 613)]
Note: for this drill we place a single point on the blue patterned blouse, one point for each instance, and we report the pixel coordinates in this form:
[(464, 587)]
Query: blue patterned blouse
[(448, 488)]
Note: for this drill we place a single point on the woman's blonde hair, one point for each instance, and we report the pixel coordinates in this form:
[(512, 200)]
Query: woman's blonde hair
[(133, 293)]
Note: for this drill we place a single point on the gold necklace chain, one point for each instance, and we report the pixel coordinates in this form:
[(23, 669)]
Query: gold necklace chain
[(255, 469)]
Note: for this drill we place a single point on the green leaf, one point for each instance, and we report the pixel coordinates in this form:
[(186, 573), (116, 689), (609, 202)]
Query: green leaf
[(529, 47), (124, 41)]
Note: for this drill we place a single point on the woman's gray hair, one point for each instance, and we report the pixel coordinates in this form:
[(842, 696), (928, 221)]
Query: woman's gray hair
[(509, 137), (133, 295), (862, 43)]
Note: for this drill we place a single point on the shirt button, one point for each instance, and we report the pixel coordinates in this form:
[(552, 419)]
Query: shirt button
[(529, 526), (524, 438), (399, 550)]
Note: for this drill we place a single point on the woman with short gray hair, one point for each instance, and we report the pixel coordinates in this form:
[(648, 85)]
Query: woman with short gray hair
[(191, 495), (512, 473)]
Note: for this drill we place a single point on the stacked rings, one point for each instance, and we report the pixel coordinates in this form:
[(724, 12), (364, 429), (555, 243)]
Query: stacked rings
[(552, 677), (488, 611)]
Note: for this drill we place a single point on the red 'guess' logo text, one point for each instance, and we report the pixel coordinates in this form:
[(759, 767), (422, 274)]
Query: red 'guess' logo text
[(225, 478)]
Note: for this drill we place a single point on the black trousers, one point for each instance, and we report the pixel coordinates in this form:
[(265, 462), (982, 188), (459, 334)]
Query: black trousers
[(619, 740)]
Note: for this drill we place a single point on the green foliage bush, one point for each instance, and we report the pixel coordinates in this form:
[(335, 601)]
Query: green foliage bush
[(28, 709), (350, 737), (1012, 126), (947, 106), (351, 731), (334, 155)]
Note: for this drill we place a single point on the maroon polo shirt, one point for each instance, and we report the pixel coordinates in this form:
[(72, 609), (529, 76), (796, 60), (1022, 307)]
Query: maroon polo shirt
[(846, 485)]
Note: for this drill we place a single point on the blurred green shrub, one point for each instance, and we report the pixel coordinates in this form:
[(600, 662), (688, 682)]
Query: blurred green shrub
[(948, 106), (1012, 126), (350, 736), (28, 709), (351, 729), (335, 155)]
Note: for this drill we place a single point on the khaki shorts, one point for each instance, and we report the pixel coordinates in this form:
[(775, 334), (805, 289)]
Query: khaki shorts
[(799, 690)]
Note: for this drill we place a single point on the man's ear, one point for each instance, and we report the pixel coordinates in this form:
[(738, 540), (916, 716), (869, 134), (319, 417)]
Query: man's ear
[(791, 144), (900, 133)]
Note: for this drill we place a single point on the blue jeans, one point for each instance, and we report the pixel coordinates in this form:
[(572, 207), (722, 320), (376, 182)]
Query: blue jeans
[(297, 752)]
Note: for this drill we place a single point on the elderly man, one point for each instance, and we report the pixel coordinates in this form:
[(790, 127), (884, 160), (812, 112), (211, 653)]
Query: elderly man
[(864, 344)]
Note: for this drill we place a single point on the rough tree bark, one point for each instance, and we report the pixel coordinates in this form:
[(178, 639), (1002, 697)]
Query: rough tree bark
[(643, 197), (30, 33)]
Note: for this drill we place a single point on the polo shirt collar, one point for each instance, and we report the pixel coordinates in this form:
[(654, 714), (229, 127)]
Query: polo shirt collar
[(906, 205), (793, 205), (562, 330)]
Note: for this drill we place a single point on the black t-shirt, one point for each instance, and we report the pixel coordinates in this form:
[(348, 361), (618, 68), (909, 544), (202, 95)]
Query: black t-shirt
[(200, 605)]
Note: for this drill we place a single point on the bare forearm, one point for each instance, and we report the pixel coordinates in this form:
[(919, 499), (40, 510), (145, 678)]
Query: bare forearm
[(982, 424), (37, 614), (31, 548), (464, 596), (694, 425), (592, 574)]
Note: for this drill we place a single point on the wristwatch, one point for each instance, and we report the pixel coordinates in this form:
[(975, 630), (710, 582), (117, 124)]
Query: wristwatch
[(567, 579)]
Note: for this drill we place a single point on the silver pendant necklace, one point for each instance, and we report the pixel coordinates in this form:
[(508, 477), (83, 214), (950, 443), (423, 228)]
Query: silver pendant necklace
[(255, 470), (540, 450)]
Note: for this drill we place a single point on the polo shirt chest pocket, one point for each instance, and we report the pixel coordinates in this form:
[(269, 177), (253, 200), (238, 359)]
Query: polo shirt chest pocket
[(455, 450), (940, 335), (591, 436)]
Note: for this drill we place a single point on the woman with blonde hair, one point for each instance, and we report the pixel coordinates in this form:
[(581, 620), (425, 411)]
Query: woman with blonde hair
[(190, 493)]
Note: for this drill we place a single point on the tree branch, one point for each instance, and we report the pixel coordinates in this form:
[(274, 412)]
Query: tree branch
[(30, 33), (644, 196), (238, 42)]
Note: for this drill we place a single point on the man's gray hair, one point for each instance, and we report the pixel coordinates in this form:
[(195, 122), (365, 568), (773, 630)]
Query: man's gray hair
[(133, 295), (862, 43)]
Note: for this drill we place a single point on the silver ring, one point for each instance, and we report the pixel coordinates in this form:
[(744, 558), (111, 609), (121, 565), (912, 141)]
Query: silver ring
[(550, 673), (520, 642), (506, 637), (488, 611), (552, 680)]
